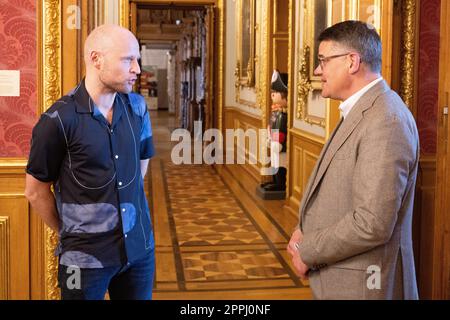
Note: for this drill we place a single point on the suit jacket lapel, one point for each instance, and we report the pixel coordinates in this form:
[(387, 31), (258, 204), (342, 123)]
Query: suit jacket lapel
[(341, 134), (319, 161)]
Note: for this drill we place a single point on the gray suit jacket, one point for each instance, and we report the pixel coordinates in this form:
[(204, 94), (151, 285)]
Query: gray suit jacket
[(356, 211)]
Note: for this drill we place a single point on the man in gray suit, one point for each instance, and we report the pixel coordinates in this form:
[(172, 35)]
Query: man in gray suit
[(354, 238)]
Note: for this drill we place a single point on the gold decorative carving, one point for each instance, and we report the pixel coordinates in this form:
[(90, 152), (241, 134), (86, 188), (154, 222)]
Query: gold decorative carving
[(250, 72), (4, 258), (264, 85), (51, 265), (52, 52), (316, 19), (210, 19), (263, 88), (237, 84), (246, 27), (290, 86), (303, 84), (221, 9), (306, 81), (51, 56), (407, 51), (13, 166), (124, 13), (304, 87)]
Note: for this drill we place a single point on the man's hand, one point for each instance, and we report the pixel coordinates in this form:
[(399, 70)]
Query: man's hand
[(297, 236), (300, 268)]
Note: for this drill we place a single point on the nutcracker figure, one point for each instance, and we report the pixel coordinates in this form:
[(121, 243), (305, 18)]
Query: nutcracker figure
[(277, 132)]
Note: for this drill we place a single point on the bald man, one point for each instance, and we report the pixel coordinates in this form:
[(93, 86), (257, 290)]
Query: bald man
[(93, 146)]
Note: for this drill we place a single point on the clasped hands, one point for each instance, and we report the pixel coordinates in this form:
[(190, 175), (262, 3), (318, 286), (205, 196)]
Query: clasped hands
[(301, 269)]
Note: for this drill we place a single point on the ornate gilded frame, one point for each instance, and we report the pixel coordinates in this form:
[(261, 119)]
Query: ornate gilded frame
[(306, 81), (408, 50), (49, 43), (313, 27), (245, 70)]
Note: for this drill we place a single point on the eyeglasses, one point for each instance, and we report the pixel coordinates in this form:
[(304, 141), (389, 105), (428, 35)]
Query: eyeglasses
[(324, 60)]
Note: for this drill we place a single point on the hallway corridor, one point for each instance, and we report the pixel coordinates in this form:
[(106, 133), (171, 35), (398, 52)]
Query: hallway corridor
[(211, 244)]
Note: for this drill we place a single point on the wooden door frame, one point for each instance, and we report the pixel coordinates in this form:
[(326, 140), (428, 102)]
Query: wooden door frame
[(441, 250), (128, 19)]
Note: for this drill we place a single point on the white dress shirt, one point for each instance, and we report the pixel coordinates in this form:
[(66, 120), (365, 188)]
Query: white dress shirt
[(348, 104)]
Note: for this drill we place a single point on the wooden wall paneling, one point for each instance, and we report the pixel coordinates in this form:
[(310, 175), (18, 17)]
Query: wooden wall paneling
[(380, 14), (14, 211), (237, 119), (305, 150), (423, 224), (87, 24), (280, 54), (5, 251), (37, 257), (295, 174), (14, 232), (133, 17), (338, 11), (333, 115), (290, 98), (280, 36), (281, 21), (251, 155)]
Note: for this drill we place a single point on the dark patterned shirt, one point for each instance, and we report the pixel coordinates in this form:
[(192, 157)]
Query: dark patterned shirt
[(98, 186)]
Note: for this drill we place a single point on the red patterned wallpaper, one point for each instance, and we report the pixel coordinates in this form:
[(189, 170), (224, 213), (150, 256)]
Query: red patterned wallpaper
[(18, 41), (427, 102)]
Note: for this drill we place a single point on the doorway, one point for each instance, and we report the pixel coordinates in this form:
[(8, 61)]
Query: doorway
[(177, 43)]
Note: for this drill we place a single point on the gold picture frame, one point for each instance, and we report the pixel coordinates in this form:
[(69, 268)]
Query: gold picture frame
[(317, 17), (50, 89), (246, 29), (315, 23)]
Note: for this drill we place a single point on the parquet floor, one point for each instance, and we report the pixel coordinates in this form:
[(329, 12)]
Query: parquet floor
[(214, 239)]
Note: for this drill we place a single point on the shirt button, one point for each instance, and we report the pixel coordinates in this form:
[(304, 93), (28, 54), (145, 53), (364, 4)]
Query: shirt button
[(128, 263), (123, 210), (116, 156), (126, 236), (120, 183), (112, 130)]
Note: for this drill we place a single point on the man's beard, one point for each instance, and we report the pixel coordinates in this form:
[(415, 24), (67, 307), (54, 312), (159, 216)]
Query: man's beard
[(115, 86)]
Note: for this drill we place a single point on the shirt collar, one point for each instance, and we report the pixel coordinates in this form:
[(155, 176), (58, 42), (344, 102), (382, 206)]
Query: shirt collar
[(117, 114), (348, 104), (85, 104), (83, 101)]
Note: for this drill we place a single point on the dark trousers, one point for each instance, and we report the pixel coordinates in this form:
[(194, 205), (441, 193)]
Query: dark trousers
[(280, 178), (133, 282)]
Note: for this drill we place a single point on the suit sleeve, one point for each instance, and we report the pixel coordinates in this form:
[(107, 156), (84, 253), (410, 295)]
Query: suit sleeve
[(387, 157)]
